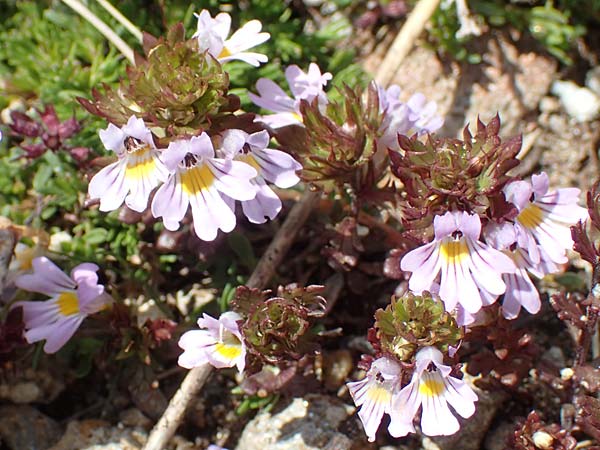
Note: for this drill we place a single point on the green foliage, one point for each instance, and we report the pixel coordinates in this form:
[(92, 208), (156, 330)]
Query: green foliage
[(555, 24), (415, 321), (54, 55)]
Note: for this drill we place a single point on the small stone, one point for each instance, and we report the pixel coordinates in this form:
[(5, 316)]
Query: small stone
[(133, 417), (580, 103), (309, 423), (23, 427), (337, 366)]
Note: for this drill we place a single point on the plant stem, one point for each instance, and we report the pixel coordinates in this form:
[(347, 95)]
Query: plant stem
[(135, 31), (102, 27), (195, 379), (405, 40)]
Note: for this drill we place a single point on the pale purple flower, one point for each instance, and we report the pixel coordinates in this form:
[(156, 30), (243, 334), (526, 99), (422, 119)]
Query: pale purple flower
[(434, 389), (417, 115), (273, 166), (137, 172), (304, 86), (373, 394), (72, 300), (544, 217), (471, 271), (219, 343), (520, 290), (197, 179), (212, 38)]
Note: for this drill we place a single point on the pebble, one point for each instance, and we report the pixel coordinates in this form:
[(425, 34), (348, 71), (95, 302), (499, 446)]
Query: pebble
[(580, 103), (309, 423), (25, 428)]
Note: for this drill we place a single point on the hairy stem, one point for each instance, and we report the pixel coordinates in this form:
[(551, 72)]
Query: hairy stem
[(195, 379)]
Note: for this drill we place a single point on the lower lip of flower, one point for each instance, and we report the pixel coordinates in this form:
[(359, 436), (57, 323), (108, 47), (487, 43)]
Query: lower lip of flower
[(531, 217), (431, 386), (196, 179), (140, 164), (454, 251), (228, 351), (68, 303)]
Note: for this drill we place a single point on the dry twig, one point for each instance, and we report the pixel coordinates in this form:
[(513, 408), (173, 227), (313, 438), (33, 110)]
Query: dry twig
[(405, 40), (195, 379)]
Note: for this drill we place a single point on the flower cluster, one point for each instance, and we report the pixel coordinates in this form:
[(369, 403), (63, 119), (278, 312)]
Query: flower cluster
[(207, 164), (195, 175), (473, 268), (431, 387), (72, 300)]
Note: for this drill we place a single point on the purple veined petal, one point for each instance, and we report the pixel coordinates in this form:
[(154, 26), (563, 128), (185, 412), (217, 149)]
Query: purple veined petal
[(373, 399), (404, 407), (201, 146), (296, 79), (272, 97), (520, 291), (266, 204), (460, 396), (254, 59), (258, 141), (400, 425), (95, 304), (465, 289), (144, 172), (306, 85), (500, 235), (233, 178), (554, 240), (209, 322), (470, 225), (487, 265), (88, 291), (463, 317), (174, 154), (136, 128), (559, 197), (109, 186), (230, 319), (112, 138), (540, 184), (171, 203), (424, 263), (192, 358), (36, 314), (233, 141), (197, 339), (436, 418), (56, 334), (444, 225), (210, 213), (85, 272), (527, 242), (567, 214), (46, 278), (453, 276), (278, 167), (221, 361), (518, 193)]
